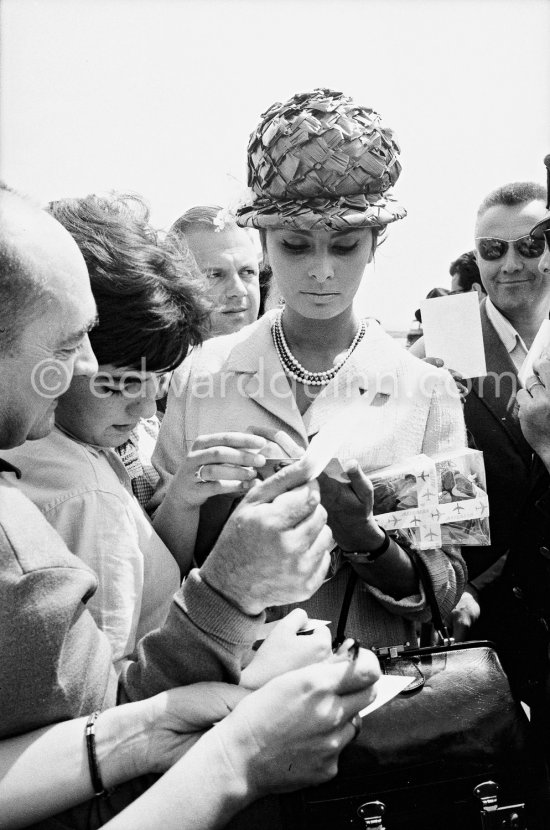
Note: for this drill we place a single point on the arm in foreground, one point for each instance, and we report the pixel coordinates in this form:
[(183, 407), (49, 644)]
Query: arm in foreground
[(286, 735), (273, 550)]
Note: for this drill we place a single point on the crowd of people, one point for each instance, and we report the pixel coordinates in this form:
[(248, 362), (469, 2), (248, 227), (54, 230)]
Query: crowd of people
[(148, 382)]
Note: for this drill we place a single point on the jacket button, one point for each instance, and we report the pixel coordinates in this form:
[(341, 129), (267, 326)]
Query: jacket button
[(544, 551), (517, 592)]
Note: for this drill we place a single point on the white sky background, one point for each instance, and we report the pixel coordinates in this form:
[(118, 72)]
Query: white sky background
[(159, 97)]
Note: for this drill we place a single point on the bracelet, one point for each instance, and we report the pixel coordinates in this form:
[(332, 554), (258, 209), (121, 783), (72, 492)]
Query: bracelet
[(367, 557), (95, 775)]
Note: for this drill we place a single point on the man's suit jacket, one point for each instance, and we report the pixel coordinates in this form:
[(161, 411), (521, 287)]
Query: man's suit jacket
[(491, 419)]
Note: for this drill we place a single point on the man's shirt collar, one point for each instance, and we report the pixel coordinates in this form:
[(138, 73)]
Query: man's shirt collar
[(511, 340)]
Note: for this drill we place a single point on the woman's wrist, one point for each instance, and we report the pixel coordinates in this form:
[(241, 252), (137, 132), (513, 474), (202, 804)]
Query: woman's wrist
[(230, 753), (121, 742), (372, 538), (375, 537)]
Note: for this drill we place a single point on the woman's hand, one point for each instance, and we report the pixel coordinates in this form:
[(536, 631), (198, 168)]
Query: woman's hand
[(534, 409), (221, 463), (285, 649), (349, 509), (286, 735), (290, 732), (460, 381), (348, 505), (278, 444), (465, 613), (176, 719)]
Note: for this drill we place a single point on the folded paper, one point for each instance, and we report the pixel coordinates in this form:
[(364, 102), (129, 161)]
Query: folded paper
[(386, 688)]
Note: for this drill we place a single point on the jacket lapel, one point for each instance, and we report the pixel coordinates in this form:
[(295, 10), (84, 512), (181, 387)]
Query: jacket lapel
[(355, 380), (497, 390), (264, 381)]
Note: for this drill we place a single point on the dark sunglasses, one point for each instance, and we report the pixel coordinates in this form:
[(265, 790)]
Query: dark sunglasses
[(490, 248)]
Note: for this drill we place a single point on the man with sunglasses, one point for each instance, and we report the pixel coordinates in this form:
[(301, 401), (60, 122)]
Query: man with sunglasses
[(518, 300), (515, 606)]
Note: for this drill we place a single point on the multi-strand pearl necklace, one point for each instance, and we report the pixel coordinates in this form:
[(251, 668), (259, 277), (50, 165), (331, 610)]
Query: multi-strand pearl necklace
[(294, 368)]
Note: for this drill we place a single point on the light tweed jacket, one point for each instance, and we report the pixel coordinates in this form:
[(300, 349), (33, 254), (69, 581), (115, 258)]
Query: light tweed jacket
[(236, 382)]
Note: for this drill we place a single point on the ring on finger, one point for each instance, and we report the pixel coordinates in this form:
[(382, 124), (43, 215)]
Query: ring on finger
[(198, 475), (532, 385), (357, 723)]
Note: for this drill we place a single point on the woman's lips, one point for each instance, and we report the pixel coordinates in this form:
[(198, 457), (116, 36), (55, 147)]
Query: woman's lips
[(321, 295)]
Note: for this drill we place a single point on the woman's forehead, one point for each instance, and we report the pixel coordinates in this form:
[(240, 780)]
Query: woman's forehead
[(321, 233), (127, 374)]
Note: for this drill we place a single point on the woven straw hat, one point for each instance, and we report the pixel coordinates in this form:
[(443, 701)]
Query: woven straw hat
[(321, 161)]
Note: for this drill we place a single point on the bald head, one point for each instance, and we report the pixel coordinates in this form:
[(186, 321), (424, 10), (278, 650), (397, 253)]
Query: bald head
[(46, 311), (38, 258)]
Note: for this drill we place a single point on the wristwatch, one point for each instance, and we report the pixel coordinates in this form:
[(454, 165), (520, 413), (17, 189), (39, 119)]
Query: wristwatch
[(368, 557)]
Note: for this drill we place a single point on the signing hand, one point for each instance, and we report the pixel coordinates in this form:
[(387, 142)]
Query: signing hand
[(284, 650), (290, 732)]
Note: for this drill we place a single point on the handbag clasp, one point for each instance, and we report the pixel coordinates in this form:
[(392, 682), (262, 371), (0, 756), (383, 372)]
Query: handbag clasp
[(493, 817), (371, 812)]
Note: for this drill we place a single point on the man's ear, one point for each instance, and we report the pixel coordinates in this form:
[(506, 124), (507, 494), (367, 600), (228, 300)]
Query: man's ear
[(477, 286)]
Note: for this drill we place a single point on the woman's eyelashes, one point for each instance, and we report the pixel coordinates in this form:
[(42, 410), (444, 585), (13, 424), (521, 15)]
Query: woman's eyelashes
[(295, 248), (303, 247), (108, 391), (345, 249)]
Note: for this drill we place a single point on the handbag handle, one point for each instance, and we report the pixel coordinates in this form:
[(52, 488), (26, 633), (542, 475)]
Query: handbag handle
[(425, 580), (344, 611)]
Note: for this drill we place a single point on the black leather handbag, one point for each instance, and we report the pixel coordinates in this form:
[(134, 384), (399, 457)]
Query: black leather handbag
[(452, 752)]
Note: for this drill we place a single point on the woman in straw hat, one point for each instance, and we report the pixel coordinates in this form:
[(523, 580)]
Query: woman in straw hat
[(319, 172)]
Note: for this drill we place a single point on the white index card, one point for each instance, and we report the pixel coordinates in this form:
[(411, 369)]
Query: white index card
[(387, 687), (452, 331)]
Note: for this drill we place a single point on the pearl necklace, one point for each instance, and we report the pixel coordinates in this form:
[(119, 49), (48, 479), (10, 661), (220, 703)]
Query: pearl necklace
[(294, 368)]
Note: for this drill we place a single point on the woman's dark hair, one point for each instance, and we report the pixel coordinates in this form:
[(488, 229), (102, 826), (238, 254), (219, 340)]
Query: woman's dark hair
[(265, 278), (147, 290)]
